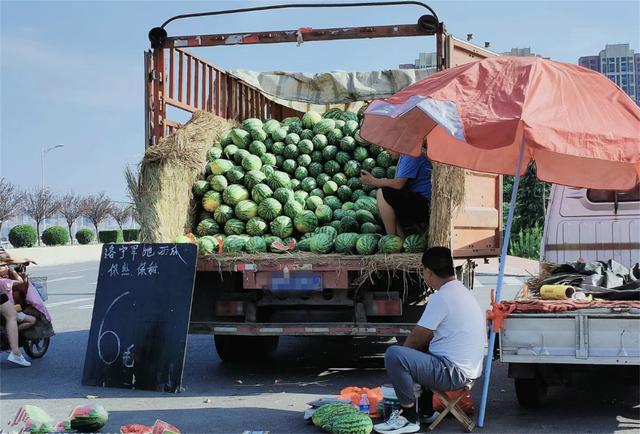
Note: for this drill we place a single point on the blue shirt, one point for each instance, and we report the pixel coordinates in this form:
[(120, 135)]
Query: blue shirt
[(417, 170)]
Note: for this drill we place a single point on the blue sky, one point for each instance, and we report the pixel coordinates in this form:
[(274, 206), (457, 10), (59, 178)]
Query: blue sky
[(72, 72)]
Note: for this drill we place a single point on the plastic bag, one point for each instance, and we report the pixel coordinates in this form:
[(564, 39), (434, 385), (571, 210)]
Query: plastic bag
[(354, 394)]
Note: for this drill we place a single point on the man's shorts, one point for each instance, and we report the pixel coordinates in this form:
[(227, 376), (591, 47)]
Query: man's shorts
[(411, 208)]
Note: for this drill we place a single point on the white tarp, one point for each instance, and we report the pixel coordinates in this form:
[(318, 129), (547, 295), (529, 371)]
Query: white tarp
[(322, 91)]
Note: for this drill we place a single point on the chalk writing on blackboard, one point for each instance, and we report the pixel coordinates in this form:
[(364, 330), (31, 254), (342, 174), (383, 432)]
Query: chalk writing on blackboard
[(125, 259), (102, 334)]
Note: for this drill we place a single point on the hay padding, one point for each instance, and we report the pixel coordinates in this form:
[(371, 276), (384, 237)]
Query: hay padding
[(447, 198), (162, 191)]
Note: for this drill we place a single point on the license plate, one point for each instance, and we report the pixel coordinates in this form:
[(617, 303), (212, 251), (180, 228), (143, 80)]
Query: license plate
[(296, 282)]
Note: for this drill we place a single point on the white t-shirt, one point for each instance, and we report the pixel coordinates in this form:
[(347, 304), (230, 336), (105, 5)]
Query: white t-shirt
[(459, 327)]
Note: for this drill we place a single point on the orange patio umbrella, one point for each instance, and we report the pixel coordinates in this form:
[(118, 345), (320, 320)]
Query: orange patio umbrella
[(499, 114)]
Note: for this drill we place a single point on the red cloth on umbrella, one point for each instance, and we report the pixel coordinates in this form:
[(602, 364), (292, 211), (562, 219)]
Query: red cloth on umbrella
[(579, 127)]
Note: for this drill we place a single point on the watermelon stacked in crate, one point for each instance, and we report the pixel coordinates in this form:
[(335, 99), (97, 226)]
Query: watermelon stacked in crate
[(275, 186)]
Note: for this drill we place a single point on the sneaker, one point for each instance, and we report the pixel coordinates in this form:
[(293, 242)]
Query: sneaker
[(429, 419), (396, 424), (18, 360)]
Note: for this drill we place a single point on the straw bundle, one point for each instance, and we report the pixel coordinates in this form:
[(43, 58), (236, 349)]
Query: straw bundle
[(534, 283), (162, 193), (448, 192)]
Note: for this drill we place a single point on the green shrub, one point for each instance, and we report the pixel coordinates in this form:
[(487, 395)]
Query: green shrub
[(85, 236), (526, 243), (110, 236), (131, 234), (23, 236), (55, 236)]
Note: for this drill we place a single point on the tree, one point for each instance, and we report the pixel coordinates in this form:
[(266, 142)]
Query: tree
[(71, 210), (121, 213), (11, 200), (39, 204), (97, 208)]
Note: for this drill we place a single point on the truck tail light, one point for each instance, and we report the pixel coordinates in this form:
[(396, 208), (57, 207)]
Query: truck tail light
[(384, 307), (230, 308)]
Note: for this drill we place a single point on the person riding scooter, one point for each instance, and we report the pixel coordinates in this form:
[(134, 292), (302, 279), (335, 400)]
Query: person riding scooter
[(10, 279)]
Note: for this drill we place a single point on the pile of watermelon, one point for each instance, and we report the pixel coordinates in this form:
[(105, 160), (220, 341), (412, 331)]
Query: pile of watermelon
[(275, 186)]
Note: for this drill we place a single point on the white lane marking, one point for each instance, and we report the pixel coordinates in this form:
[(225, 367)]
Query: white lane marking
[(76, 300), (85, 306), (57, 273), (60, 279)]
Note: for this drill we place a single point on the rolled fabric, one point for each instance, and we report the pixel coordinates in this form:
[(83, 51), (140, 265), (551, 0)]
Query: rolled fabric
[(556, 292)]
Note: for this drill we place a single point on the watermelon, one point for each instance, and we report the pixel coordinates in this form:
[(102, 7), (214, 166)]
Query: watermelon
[(200, 187), (349, 116), (379, 172), (270, 126), (370, 228), (335, 224), (220, 166), (325, 415), (357, 194), (338, 214), (316, 157), (324, 213), (333, 113), (279, 134), (234, 227), (283, 195), (279, 180), (368, 164), (213, 154), (348, 206), (329, 153), (334, 136), (301, 196), (305, 146), (365, 216), (390, 244), (331, 167), (348, 224), (252, 123), (322, 179), (368, 204), (222, 214), (282, 226), (290, 121), (352, 168), (342, 158), (290, 152), (255, 245), (391, 172), (304, 161), (329, 230), (278, 148), (304, 245), (300, 173), (269, 209), (211, 200), (251, 162), (332, 202), (330, 187), (354, 183), (230, 151), (319, 142), (240, 138), (321, 243), (289, 166), (368, 188), (367, 244), (339, 178), (267, 171), (207, 227), (384, 159), (270, 239), (226, 139), (350, 127), (261, 192), (235, 175), (346, 242), (233, 243), (257, 148), (308, 184), (88, 418), (324, 126), (258, 135), (310, 119), (313, 202), (344, 193), (360, 153), (183, 239), (292, 139), (307, 134), (305, 221), (295, 184), (359, 138), (286, 245), (207, 245), (279, 161), (268, 159), (292, 208), (351, 423), (246, 209), (234, 194), (414, 243), (315, 169), (240, 155), (347, 144), (256, 226), (253, 178), (218, 182), (373, 193), (205, 215)]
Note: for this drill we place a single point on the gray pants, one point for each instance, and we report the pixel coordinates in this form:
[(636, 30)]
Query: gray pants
[(406, 367)]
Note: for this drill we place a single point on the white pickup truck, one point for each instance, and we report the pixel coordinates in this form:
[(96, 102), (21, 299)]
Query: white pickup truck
[(545, 348)]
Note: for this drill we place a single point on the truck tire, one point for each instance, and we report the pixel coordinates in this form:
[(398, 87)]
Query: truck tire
[(531, 392), (245, 348)]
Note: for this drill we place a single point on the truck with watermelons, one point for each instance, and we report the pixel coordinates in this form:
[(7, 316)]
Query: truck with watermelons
[(291, 242)]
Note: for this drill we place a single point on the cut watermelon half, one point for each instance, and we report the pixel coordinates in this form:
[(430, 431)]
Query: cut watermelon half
[(162, 427), (136, 428)]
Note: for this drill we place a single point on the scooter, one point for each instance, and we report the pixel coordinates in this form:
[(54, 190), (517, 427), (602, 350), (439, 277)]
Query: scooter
[(35, 340)]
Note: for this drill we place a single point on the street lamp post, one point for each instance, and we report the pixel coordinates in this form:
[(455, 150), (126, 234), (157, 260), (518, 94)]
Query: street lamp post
[(42, 155)]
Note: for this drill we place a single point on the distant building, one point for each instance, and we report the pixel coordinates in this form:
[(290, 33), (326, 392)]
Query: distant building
[(620, 64), (424, 61), (522, 52)]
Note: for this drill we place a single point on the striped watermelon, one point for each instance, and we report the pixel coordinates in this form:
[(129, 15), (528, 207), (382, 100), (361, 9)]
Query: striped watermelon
[(330, 187), (269, 209), (240, 138), (255, 245), (367, 244), (324, 126), (240, 155), (384, 159), (367, 203), (304, 245), (305, 146), (223, 214), (246, 209), (350, 423), (344, 193), (300, 174), (253, 178), (360, 153), (218, 182), (307, 134), (390, 244), (321, 243), (313, 202), (292, 139), (283, 195), (234, 194), (213, 154), (207, 245), (333, 202), (233, 244), (230, 151), (319, 142), (252, 123), (379, 172), (270, 126), (346, 242), (348, 144), (211, 200), (342, 158), (220, 166), (350, 127), (305, 221), (364, 216), (256, 226), (334, 136), (200, 187), (304, 160), (414, 243), (310, 119), (258, 134), (348, 224), (282, 226), (289, 166), (207, 227), (279, 134), (325, 415), (369, 228), (251, 162), (292, 208), (324, 213), (279, 179), (331, 167), (349, 116), (235, 175), (268, 159), (234, 227), (329, 230), (261, 192)]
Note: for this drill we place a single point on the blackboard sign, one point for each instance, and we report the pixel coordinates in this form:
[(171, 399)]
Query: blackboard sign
[(140, 320)]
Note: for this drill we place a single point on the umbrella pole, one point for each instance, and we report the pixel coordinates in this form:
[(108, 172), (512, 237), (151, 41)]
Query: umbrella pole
[(503, 260)]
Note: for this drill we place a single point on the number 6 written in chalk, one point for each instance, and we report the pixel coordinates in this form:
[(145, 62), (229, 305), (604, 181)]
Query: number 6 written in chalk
[(102, 334)]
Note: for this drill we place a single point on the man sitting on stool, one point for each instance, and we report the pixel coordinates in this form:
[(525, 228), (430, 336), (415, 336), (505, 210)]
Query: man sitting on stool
[(404, 200), (443, 352)]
